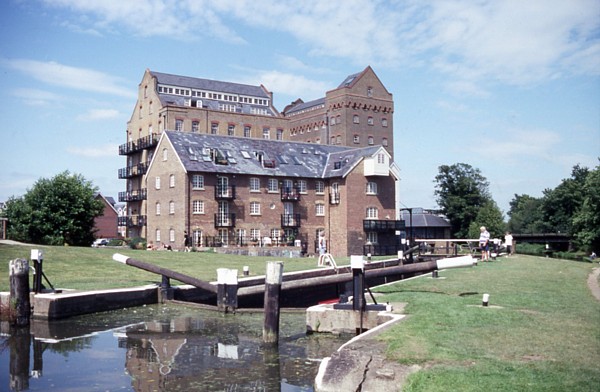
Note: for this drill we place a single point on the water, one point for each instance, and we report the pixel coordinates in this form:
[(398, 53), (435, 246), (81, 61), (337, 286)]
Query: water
[(162, 348)]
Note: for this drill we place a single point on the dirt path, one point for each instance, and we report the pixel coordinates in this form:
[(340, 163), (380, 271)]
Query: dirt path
[(593, 283)]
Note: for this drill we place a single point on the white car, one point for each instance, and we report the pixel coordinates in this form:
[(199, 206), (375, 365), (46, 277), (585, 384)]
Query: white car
[(100, 242)]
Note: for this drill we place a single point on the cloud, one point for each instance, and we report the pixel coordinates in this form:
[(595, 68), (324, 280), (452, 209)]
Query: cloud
[(98, 114), (106, 150), (290, 84), (36, 97), (83, 79)]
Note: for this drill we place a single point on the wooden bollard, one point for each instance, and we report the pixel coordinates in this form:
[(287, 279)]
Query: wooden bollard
[(19, 291), (227, 286), (273, 281)]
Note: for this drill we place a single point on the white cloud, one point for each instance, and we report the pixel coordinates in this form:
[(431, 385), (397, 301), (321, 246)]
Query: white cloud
[(98, 114), (36, 97), (291, 84), (106, 150), (84, 79)]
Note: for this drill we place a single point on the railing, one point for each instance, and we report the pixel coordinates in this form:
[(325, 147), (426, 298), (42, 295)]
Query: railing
[(334, 198), (290, 194), (140, 144), (225, 192), (136, 195), (381, 250), (132, 220), (383, 225), (132, 171), (224, 220), (233, 240), (290, 220)]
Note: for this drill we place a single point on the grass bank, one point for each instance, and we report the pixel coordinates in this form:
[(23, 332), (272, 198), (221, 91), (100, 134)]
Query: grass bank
[(82, 268), (541, 331)]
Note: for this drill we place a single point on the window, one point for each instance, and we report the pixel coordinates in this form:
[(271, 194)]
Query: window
[(338, 139), (157, 235), (197, 181), (254, 208), (195, 126), (279, 135), (247, 130), (384, 142), (332, 121), (370, 120), (356, 119), (254, 184), (372, 213), (384, 122), (276, 234), (302, 186), (157, 208), (172, 235), (172, 181), (372, 237), (381, 158), (254, 234), (179, 125), (266, 133), (165, 154), (231, 129), (157, 183), (320, 209), (320, 187), (369, 91), (198, 207), (356, 139), (338, 119), (171, 207), (273, 186), (214, 128), (371, 188), (371, 141), (198, 238)]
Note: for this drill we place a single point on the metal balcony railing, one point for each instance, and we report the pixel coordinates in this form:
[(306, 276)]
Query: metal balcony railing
[(132, 220), (290, 220), (139, 144), (383, 225), (224, 220), (225, 192), (136, 195), (334, 198), (133, 171), (290, 194)]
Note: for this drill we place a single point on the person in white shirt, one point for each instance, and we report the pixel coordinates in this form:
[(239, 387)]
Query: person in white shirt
[(508, 242), (484, 244)]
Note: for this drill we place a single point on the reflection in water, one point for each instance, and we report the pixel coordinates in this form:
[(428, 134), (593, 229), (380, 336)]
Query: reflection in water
[(174, 348)]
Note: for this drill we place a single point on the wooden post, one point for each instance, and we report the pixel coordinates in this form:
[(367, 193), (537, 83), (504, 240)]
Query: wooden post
[(358, 282), (227, 285), (19, 291), (273, 281)]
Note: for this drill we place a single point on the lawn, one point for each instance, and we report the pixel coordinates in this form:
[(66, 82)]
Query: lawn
[(82, 268), (540, 332)]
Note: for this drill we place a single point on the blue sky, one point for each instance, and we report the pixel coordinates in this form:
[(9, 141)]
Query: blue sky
[(509, 87)]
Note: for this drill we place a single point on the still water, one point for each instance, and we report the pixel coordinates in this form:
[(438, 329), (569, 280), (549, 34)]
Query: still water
[(162, 348)]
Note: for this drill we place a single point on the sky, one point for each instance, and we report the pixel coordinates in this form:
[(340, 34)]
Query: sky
[(511, 88)]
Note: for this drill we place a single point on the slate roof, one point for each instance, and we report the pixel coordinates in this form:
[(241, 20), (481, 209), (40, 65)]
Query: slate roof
[(306, 105), (422, 219), (289, 159)]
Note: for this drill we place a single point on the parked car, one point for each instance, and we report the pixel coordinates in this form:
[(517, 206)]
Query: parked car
[(100, 242)]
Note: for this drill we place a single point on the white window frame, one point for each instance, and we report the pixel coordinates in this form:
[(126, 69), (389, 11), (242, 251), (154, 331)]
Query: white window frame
[(302, 187), (255, 234), (371, 188), (178, 125), (157, 182), (254, 184), (171, 207), (272, 185), (320, 209), (157, 208), (172, 181), (254, 208), (197, 181), (172, 235), (157, 235), (372, 213), (198, 207), (320, 188)]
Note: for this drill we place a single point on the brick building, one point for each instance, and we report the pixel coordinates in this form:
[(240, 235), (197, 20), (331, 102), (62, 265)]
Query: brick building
[(105, 225), (217, 160)]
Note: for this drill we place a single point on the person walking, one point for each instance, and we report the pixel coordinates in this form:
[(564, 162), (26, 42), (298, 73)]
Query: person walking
[(484, 244), (508, 242), (186, 242)]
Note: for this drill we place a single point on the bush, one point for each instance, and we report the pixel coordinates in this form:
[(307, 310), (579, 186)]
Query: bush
[(137, 243)]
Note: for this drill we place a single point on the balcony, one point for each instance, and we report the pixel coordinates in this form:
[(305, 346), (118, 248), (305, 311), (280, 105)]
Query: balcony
[(290, 220), (290, 194), (132, 221), (136, 195), (383, 225), (133, 171), (224, 220), (140, 144), (334, 198), (225, 192)]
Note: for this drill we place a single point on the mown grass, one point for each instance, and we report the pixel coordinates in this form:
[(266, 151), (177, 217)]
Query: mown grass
[(541, 331), (82, 268)]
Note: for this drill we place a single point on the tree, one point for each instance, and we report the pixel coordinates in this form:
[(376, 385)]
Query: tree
[(525, 214), (55, 212), (491, 217), (460, 191), (586, 221)]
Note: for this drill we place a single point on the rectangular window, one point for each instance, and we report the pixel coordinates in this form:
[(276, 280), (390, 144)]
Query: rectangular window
[(254, 234), (179, 125), (172, 181), (171, 207), (302, 186), (197, 181), (157, 208), (371, 141), (157, 183), (214, 128), (370, 120), (198, 207), (356, 139), (254, 208), (172, 235), (254, 184), (384, 122), (372, 213), (372, 237), (356, 119), (231, 129), (371, 188), (273, 186), (320, 187), (320, 209), (266, 133), (247, 131), (195, 126), (279, 134), (276, 235), (157, 235)]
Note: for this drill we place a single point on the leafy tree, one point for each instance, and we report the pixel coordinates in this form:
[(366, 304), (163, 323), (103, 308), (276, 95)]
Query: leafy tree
[(460, 191), (491, 217), (55, 212), (525, 214), (586, 221)]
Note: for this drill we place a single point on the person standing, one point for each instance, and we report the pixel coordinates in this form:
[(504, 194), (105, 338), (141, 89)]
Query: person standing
[(484, 244), (508, 241), (186, 241)]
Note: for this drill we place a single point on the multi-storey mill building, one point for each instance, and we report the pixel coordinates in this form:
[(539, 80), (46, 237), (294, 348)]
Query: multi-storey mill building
[(346, 190)]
